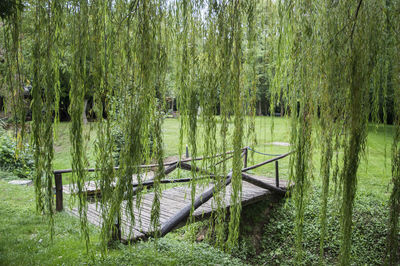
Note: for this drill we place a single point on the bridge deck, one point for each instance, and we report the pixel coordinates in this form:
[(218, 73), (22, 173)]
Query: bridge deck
[(172, 201)]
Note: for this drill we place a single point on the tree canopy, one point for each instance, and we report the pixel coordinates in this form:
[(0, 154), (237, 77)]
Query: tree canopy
[(332, 66)]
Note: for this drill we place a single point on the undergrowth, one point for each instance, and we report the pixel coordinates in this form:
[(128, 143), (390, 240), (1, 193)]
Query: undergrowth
[(18, 161), (274, 244)]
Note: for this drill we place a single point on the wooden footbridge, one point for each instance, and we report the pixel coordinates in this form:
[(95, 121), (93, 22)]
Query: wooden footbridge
[(175, 203)]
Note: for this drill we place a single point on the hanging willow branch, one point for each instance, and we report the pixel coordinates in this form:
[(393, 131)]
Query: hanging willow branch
[(45, 94), (79, 86), (224, 58), (329, 55), (393, 255), (12, 23), (101, 39), (237, 99), (318, 88)]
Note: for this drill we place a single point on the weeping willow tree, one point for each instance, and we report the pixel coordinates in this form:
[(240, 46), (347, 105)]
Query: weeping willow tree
[(45, 95), (237, 99), (328, 56), (220, 72), (101, 41), (188, 83), (79, 86), (212, 83), (143, 63), (295, 50), (47, 18), (14, 77), (121, 49), (393, 255), (331, 89)]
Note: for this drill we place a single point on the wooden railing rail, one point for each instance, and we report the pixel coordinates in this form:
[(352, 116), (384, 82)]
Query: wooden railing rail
[(182, 164), (65, 171)]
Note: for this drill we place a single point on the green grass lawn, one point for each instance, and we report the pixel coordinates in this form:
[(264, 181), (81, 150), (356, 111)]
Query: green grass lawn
[(374, 172), (25, 240)]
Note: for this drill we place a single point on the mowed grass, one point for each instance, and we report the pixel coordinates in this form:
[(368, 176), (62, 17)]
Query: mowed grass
[(374, 173), (24, 235), (25, 240)]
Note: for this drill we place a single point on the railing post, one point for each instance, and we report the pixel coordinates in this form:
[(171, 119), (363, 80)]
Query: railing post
[(59, 192), (187, 151), (245, 158), (277, 173)]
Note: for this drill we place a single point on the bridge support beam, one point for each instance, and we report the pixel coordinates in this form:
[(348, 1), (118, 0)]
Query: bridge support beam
[(185, 212), (262, 184)]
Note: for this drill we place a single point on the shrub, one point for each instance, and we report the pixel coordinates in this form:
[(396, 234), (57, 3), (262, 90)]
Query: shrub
[(119, 142), (20, 162), (368, 238)]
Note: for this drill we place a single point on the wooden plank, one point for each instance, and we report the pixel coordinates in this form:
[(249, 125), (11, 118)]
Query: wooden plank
[(183, 213), (174, 200), (164, 214)]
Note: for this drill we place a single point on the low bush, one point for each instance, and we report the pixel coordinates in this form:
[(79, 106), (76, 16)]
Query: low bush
[(18, 161), (276, 242), (119, 143)]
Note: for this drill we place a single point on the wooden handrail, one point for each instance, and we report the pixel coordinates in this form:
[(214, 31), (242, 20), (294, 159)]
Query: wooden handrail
[(65, 171), (266, 162), (183, 165)]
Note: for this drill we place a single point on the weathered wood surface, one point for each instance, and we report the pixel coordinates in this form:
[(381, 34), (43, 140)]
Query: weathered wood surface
[(173, 201)]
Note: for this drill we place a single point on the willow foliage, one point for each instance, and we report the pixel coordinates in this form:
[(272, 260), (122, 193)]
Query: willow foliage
[(221, 81), (333, 88), (393, 53), (213, 85), (296, 50), (79, 85), (14, 72), (188, 82), (101, 41), (322, 59), (45, 94)]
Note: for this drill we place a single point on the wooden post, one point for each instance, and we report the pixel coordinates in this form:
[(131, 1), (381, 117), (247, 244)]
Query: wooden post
[(277, 173), (116, 229), (59, 192), (245, 158), (187, 151)]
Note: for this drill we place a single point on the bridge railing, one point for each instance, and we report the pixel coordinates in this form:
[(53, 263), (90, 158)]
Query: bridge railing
[(183, 164), (275, 159)]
